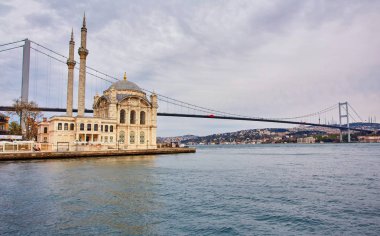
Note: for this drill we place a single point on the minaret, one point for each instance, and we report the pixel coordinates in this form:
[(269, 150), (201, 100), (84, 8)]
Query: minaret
[(83, 52), (70, 77)]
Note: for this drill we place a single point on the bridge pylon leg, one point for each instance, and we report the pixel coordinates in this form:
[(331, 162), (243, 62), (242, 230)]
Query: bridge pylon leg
[(25, 79), (344, 106)]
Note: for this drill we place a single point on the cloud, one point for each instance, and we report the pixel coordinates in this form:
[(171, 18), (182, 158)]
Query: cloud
[(261, 58), (4, 9)]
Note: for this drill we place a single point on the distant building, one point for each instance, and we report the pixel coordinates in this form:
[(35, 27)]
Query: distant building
[(306, 140), (4, 128), (369, 139)]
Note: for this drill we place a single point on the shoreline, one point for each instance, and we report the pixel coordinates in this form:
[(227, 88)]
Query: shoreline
[(16, 156)]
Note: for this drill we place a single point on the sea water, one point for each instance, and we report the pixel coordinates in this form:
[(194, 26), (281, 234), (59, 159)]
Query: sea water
[(287, 189)]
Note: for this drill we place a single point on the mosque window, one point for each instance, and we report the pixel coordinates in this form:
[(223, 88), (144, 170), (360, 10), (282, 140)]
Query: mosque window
[(142, 117), (72, 126), (66, 126), (132, 137), (121, 137), (45, 130), (142, 137), (122, 117), (106, 139), (111, 139), (88, 127), (101, 128), (81, 126), (106, 128), (111, 128), (95, 127), (59, 126), (133, 117)]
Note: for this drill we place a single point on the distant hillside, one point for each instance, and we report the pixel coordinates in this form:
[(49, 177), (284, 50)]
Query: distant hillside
[(365, 125), (261, 135), (176, 138)]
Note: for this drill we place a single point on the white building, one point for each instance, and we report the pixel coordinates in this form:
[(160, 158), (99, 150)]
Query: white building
[(124, 117), (306, 140)]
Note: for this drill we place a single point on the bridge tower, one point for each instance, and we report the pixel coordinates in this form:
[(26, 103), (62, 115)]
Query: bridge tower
[(25, 78), (83, 52), (343, 114), (70, 77)]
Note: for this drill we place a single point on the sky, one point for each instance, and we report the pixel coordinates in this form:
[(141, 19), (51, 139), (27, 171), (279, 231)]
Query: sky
[(279, 58)]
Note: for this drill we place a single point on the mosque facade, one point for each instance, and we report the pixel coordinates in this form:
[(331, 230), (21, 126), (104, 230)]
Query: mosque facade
[(123, 118)]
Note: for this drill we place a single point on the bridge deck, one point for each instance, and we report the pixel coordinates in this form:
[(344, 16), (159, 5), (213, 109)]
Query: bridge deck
[(48, 109)]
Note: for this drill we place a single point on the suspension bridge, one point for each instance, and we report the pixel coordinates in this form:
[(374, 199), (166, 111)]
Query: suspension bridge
[(42, 65)]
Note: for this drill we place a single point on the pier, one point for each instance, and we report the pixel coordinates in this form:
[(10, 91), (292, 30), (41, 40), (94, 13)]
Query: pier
[(16, 156)]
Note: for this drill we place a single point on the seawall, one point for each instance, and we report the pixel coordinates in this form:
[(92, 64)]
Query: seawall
[(14, 156)]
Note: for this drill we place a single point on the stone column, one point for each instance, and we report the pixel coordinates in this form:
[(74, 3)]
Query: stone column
[(83, 52), (70, 77), (153, 126)]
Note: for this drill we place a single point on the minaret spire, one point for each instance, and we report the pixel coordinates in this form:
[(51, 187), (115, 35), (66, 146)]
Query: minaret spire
[(83, 52), (70, 76), (84, 20)]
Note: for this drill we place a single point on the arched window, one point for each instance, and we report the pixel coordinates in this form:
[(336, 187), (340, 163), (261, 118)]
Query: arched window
[(59, 126), (122, 117), (133, 117), (121, 137), (66, 126), (89, 127), (45, 130), (95, 127), (142, 118), (142, 137), (106, 128), (132, 137), (72, 126), (81, 126), (111, 128), (111, 139)]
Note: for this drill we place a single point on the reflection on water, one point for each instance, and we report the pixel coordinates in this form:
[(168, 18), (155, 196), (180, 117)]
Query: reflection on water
[(230, 190), (100, 195)]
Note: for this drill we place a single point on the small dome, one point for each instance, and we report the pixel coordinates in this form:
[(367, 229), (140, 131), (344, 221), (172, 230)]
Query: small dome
[(125, 85)]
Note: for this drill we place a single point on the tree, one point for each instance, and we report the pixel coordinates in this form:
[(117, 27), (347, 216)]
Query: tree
[(29, 114), (14, 128)]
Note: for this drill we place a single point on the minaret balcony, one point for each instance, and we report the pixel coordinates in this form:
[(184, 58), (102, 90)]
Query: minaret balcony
[(82, 51), (71, 62)]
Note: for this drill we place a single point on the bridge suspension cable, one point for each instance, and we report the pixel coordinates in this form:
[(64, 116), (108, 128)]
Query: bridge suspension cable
[(76, 67), (6, 44), (10, 48), (11, 43), (78, 63), (355, 112), (106, 77), (311, 114), (173, 101)]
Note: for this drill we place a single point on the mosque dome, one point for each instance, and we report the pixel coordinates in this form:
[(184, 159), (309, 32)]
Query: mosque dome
[(125, 85)]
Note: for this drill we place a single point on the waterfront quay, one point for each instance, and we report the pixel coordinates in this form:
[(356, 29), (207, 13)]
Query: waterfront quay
[(15, 156)]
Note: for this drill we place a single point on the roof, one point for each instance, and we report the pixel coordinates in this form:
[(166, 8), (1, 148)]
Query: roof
[(125, 85), (121, 97)]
